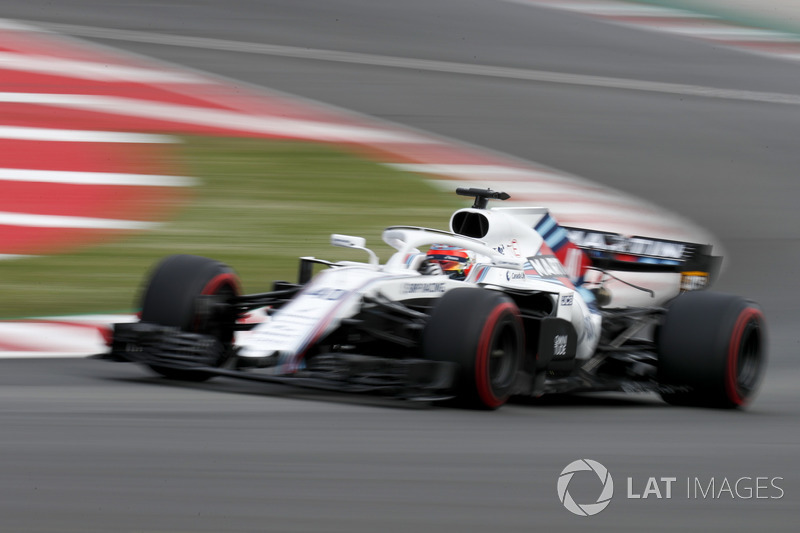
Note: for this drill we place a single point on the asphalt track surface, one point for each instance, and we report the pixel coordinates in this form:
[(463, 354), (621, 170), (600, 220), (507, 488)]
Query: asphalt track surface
[(92, 446)]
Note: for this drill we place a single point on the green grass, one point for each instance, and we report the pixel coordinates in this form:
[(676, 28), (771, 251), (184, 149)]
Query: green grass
[(260, 206)]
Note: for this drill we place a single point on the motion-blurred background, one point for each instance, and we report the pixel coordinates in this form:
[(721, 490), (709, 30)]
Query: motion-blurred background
[(250, 130)]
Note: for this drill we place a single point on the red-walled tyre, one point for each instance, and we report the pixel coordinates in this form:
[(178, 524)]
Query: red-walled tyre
[(712, 350), (171, 299), (480, 330)]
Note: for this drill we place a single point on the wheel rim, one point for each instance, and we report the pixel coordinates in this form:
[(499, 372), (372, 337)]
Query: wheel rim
[(503, 356), (748, 366), (221, 288), (223, 330)]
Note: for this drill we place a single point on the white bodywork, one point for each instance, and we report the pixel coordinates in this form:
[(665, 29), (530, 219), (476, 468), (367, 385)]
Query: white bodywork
[(504, 259)]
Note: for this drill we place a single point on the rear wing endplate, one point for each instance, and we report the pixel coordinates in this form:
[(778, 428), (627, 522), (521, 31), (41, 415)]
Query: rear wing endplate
[(613, 251)]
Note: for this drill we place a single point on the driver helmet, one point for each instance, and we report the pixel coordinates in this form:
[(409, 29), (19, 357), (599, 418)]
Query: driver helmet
[(455, 262)]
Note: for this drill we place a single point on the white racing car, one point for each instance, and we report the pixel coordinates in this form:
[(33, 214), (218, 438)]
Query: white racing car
[(506, 303)]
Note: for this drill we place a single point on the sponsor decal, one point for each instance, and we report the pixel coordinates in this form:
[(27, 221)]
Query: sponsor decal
[(327, 293), (513, 247), (662, 487), (515, 276), (416, 288), (641, 246), (693, 281), (547, 266), (566, 300), (560, 345)]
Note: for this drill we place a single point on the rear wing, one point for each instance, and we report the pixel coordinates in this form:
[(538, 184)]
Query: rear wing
[(613, 251)]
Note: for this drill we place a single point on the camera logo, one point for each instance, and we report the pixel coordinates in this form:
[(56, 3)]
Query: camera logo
[(586, 509)]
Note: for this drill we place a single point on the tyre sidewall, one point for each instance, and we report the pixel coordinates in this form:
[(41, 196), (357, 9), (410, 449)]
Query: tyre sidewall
[(171, 296), (699, 349), (462, 329)]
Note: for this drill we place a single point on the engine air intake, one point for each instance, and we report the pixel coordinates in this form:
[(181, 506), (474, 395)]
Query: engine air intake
[(470, 224)]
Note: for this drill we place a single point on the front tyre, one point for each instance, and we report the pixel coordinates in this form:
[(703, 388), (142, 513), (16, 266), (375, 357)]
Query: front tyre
[(172, 298), (480, 330), (712, 350)]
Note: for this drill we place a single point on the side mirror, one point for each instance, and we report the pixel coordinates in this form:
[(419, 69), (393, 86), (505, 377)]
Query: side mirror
[(348, 241), (358, 243)]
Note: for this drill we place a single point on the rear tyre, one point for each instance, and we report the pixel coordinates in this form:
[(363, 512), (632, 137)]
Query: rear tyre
[(171, 299), (712, 350), (480, 330)]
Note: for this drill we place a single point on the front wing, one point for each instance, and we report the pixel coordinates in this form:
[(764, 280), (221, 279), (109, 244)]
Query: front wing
[(166, 347)]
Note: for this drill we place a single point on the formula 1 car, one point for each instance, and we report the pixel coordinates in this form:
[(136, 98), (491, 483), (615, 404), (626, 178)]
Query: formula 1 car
[(507, 303)]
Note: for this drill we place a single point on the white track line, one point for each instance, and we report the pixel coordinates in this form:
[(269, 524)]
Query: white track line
[(91, 319), (731, 33), (50, 340), (85, 349), (552, 189), (94, 178), (475, 172), (21, 133), (429, 65), (58, 221), (217, 118), (622, 10), (13, 25), (699, 26), (468, 170), (89, 70)]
